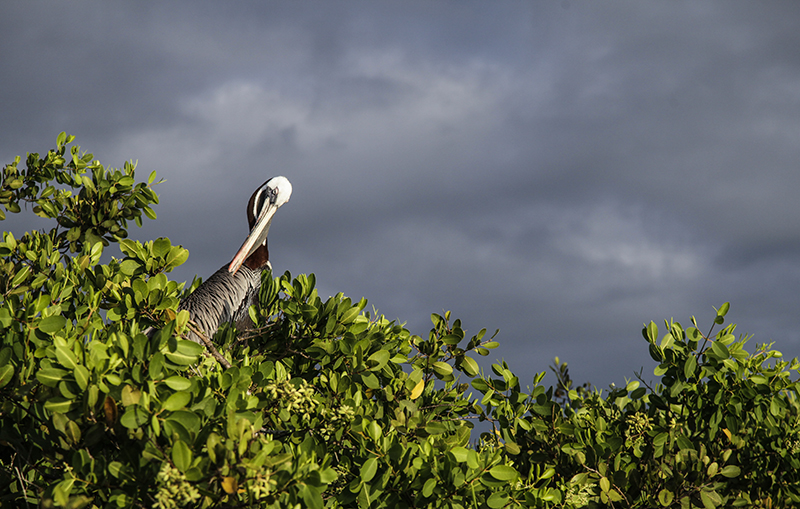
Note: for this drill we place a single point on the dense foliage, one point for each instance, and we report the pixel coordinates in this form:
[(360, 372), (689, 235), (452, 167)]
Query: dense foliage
[(326, 405)]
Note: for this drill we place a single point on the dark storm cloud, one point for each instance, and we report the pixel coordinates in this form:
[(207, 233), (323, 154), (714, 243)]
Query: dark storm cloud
[(562, 171)]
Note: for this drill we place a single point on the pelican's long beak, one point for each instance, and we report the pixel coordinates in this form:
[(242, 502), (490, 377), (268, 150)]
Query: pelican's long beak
[(256, 237)]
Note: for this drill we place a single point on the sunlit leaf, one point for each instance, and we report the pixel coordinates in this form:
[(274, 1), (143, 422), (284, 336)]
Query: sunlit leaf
[(176, 401), (186, 353), (66, 357), (134, 417), (52, 324), (178, 383), (59, 404), (503, 473), (230, 485), (731, 471), (417, 391), (368, 469), (442, 368), (690, 366), (460, 453), (469, 366), (6, 374)]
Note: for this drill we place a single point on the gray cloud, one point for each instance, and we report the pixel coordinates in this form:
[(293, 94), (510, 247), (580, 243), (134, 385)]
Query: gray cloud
[(562, 171)]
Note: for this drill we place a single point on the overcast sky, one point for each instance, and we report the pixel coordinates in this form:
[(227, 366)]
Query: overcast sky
[(564, 171)]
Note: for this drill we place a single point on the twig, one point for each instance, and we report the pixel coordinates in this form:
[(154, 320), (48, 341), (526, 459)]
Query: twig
[(209, 345), (21, 481)]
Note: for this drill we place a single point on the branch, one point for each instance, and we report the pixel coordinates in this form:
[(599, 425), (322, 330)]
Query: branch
[(209, 345)]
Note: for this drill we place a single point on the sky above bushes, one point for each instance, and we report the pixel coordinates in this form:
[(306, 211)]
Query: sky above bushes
[(562, 171)]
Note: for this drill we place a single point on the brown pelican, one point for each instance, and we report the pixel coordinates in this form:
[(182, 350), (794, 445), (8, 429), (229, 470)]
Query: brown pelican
[(228, 293)]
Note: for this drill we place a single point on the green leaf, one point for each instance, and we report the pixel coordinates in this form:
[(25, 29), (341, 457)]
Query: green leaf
[(684, 443), (129, 266), (442, 368), (5, 318), (690, 366), (114, 315), (311, 497), (693, 334), (371, 381), (186, 352), (373, 430), (134, 417), (776, 407), (120, 470), (20, 276), (378, 360), (66, 357), (710, 499), (349, 315), (177, 401), (368, 469), (181, 456), (435, 428), (51, 376), (130, 248), (503, 473), (73, 432), (720, 351), (178, 383), (130, 395), (59, 405), (177, 256), (81, 376), (189, 420), (469, 366), (665, 497), (155, 425), (651, 332), (512, 448), (731, 471), (428, 487), (497, 500), (460, 453), (451, 339), (161, 247), (6, 374)]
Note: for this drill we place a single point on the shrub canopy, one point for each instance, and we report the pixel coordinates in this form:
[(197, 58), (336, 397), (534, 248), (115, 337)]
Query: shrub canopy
[(326, 405)]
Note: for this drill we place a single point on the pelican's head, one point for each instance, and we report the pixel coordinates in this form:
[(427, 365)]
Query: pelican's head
[(266, 200)]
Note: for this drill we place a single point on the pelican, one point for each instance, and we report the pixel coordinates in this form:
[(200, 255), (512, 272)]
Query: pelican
[(228, 293)]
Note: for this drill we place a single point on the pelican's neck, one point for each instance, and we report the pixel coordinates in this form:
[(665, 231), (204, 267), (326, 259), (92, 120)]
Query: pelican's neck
[(259, 259)]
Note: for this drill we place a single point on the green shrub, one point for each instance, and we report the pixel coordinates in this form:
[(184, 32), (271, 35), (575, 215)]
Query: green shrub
[(326, 405)]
